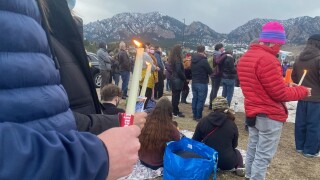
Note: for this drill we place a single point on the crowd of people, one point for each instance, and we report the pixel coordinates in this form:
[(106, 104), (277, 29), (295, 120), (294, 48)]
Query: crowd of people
[(55, 108)]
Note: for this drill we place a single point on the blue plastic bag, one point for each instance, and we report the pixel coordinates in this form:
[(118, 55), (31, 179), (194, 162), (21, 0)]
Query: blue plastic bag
[(201, 160)]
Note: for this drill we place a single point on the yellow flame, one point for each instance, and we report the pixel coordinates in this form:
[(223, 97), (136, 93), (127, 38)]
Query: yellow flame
[(137, 43), (305, 71), (147, 63)]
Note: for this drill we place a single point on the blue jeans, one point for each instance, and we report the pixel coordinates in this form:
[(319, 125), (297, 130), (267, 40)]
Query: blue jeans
[(262, 145), (228, 88), (116, 78), (307, 127), (125, 76), (168, 87), (199, 93)]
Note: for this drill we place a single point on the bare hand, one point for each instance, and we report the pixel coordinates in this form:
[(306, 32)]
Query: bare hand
[(293, 85), (123, 146), (309, 92), (140, 119)]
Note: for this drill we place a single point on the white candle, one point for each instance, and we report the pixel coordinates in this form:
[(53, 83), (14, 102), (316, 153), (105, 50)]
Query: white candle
[(136, 75), (146, 79), (303, 76)]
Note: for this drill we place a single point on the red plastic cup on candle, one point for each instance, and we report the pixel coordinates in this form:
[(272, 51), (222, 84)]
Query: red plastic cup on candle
[(126, 119)]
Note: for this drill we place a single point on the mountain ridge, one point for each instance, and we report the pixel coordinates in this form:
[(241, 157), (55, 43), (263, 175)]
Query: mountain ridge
[(159, 28)]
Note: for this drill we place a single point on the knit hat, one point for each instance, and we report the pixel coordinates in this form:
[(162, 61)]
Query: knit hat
[(273, 32), (220, 103), (228, 48), (315, 37)]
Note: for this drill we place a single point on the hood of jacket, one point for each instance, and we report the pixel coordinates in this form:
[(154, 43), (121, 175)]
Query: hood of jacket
[(309, 53), (216, 118), (197, 58)]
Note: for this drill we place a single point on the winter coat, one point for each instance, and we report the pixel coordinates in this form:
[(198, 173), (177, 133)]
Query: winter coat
[(178, 77), (217, 64), (200, 69), (30, 87), (75, 72), (263, 86), (153, 76), (228, 69), (104, 59), (168, 70), (111, 109), (160, 63), (40, 102), (124, 61), (308, 60), (224, 139)]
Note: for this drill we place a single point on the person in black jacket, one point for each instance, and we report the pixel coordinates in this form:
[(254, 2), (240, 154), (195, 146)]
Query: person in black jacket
[(124, 68), (228, 74), (177, 79), (111, 96), (75, 73), (219, 131), (200, 70)]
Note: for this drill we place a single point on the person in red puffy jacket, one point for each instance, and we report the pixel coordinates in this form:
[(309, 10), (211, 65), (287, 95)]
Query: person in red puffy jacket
[(265, 92)]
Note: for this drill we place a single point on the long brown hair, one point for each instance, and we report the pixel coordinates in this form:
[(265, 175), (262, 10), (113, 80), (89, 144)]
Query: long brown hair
[(175, 54), (158, 127)]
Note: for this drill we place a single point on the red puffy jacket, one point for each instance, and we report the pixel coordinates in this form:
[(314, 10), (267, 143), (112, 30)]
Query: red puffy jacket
[(263, 86)]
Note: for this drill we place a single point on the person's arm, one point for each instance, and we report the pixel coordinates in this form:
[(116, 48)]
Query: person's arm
[(179, 70), (270, 75), (28, 154), (198, 135), (95, 123), (236, 136)]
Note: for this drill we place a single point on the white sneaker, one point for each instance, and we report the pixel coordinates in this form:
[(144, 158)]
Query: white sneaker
[(312, 156)]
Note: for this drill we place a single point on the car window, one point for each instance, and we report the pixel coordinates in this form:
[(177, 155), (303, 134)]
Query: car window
[(93, 58)]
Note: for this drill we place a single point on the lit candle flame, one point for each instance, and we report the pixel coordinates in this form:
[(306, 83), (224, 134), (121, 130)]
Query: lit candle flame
[(137, 43), (147, 63)]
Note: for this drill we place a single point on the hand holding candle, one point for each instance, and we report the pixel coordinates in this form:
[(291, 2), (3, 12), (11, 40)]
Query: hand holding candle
[(303, 76), (127, 118)]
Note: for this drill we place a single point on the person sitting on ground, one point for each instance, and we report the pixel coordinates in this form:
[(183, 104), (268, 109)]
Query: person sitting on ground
[(219, 131), (110, 96), (158, 130)]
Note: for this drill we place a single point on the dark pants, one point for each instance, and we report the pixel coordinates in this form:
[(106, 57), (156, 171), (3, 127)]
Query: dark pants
[(125, 76), (228, 88), (239, 159), (307, 127), (215, 84), (185, 92), (168, 85), (105, 76), (116, 78), (175, 101), (158, 88), (199, 92)]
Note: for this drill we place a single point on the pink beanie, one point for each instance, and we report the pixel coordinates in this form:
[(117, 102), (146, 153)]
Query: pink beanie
[(273, 32)]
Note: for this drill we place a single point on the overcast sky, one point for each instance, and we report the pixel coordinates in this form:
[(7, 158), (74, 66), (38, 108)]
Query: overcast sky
[(221, 15)]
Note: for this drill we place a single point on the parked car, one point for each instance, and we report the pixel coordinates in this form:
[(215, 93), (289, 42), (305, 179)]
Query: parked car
[(94, 68)]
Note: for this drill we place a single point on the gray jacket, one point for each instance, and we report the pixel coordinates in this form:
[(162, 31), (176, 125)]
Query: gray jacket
[(104, 59)]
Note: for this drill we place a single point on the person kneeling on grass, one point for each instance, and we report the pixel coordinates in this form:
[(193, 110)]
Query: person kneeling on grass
[(110, 96), (219, 131)]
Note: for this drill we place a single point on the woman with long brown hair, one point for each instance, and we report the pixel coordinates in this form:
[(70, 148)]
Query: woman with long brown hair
[(177, 79), (158, 130)]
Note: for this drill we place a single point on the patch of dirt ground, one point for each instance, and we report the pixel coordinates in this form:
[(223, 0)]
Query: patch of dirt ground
[(286, 164)]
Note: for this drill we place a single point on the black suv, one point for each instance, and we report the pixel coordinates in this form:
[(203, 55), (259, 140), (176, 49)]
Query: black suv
[(94, 68)]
